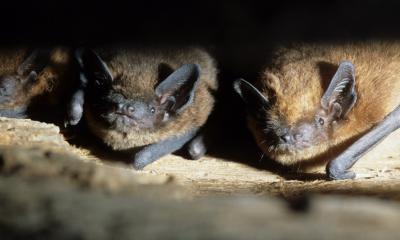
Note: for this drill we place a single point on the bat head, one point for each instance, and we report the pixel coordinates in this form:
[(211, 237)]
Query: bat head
[(17, 89), (132, 110), (289, 123)]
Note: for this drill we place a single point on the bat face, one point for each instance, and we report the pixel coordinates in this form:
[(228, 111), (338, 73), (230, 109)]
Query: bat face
[(15, 86), (119, 112), (16, 89), (10, 86), (287, 142), (299, 136), (12, 96), (124, 109), (288, 138)]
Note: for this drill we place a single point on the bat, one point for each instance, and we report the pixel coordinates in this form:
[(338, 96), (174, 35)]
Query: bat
[(151, 101), (313, 98)]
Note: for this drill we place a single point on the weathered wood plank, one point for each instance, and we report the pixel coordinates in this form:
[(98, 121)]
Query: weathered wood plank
[(50, 189)]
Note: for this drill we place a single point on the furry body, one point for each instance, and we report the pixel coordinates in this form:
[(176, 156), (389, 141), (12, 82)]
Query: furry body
[(135, 75), (294, 84), (41, 94), (139, 73)]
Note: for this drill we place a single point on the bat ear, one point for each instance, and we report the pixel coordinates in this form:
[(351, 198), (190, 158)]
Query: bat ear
[(31, 79), (341, 95), (179, 87), (253, 98), (94, 68), (34, 64)]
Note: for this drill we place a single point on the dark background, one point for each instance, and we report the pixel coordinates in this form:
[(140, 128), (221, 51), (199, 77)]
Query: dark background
[(240, 34), (239, 31)]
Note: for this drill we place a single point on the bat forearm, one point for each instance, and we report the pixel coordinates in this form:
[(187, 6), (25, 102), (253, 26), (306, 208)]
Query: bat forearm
[(20, 112), (155, 151), (75, 108), (349, 157)]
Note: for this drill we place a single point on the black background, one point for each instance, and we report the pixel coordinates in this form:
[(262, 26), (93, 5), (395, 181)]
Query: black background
[(240, 32), (213, 22)]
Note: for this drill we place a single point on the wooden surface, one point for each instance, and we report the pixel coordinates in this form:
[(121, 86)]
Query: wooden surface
[(50, 189), (54, 210), (378, 172)]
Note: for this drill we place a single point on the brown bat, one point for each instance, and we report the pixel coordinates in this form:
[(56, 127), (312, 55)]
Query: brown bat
[(313, 98), (19, 79), (152, 102), (31, 81)]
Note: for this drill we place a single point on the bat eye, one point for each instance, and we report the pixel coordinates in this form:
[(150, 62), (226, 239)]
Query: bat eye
[(321, 121), (152, 110)]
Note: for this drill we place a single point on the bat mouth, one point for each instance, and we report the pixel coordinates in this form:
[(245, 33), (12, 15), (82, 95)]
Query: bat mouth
[(301, 145), (120, 121), (125, 119), (287, 148), (124, 122), (125, 115)]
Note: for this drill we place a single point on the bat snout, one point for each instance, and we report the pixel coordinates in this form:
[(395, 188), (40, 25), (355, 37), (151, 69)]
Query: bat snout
[(133, 111), (287, 138)]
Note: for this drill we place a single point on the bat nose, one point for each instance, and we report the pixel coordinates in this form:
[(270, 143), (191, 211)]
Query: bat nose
[(298, 136), (286, 138), (126, 109), (132, 110), (119, 106)]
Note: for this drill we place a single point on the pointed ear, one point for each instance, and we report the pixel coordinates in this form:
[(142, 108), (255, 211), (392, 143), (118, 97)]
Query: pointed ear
[(253, 98), (341, 95), (179, 87), (35, 62), (94, 68), (30, 80)]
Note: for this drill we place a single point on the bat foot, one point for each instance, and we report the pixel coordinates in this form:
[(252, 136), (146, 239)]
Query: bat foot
[(335, 174), (74, 116), (142, 159), (343, 175), (70, 122), (75, 109), (138, 165), (197, 148)]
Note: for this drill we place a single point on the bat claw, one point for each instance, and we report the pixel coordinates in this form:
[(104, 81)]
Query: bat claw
[(341, 175), (338, 169), (138, 166), (141, 160), (68, 123)]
